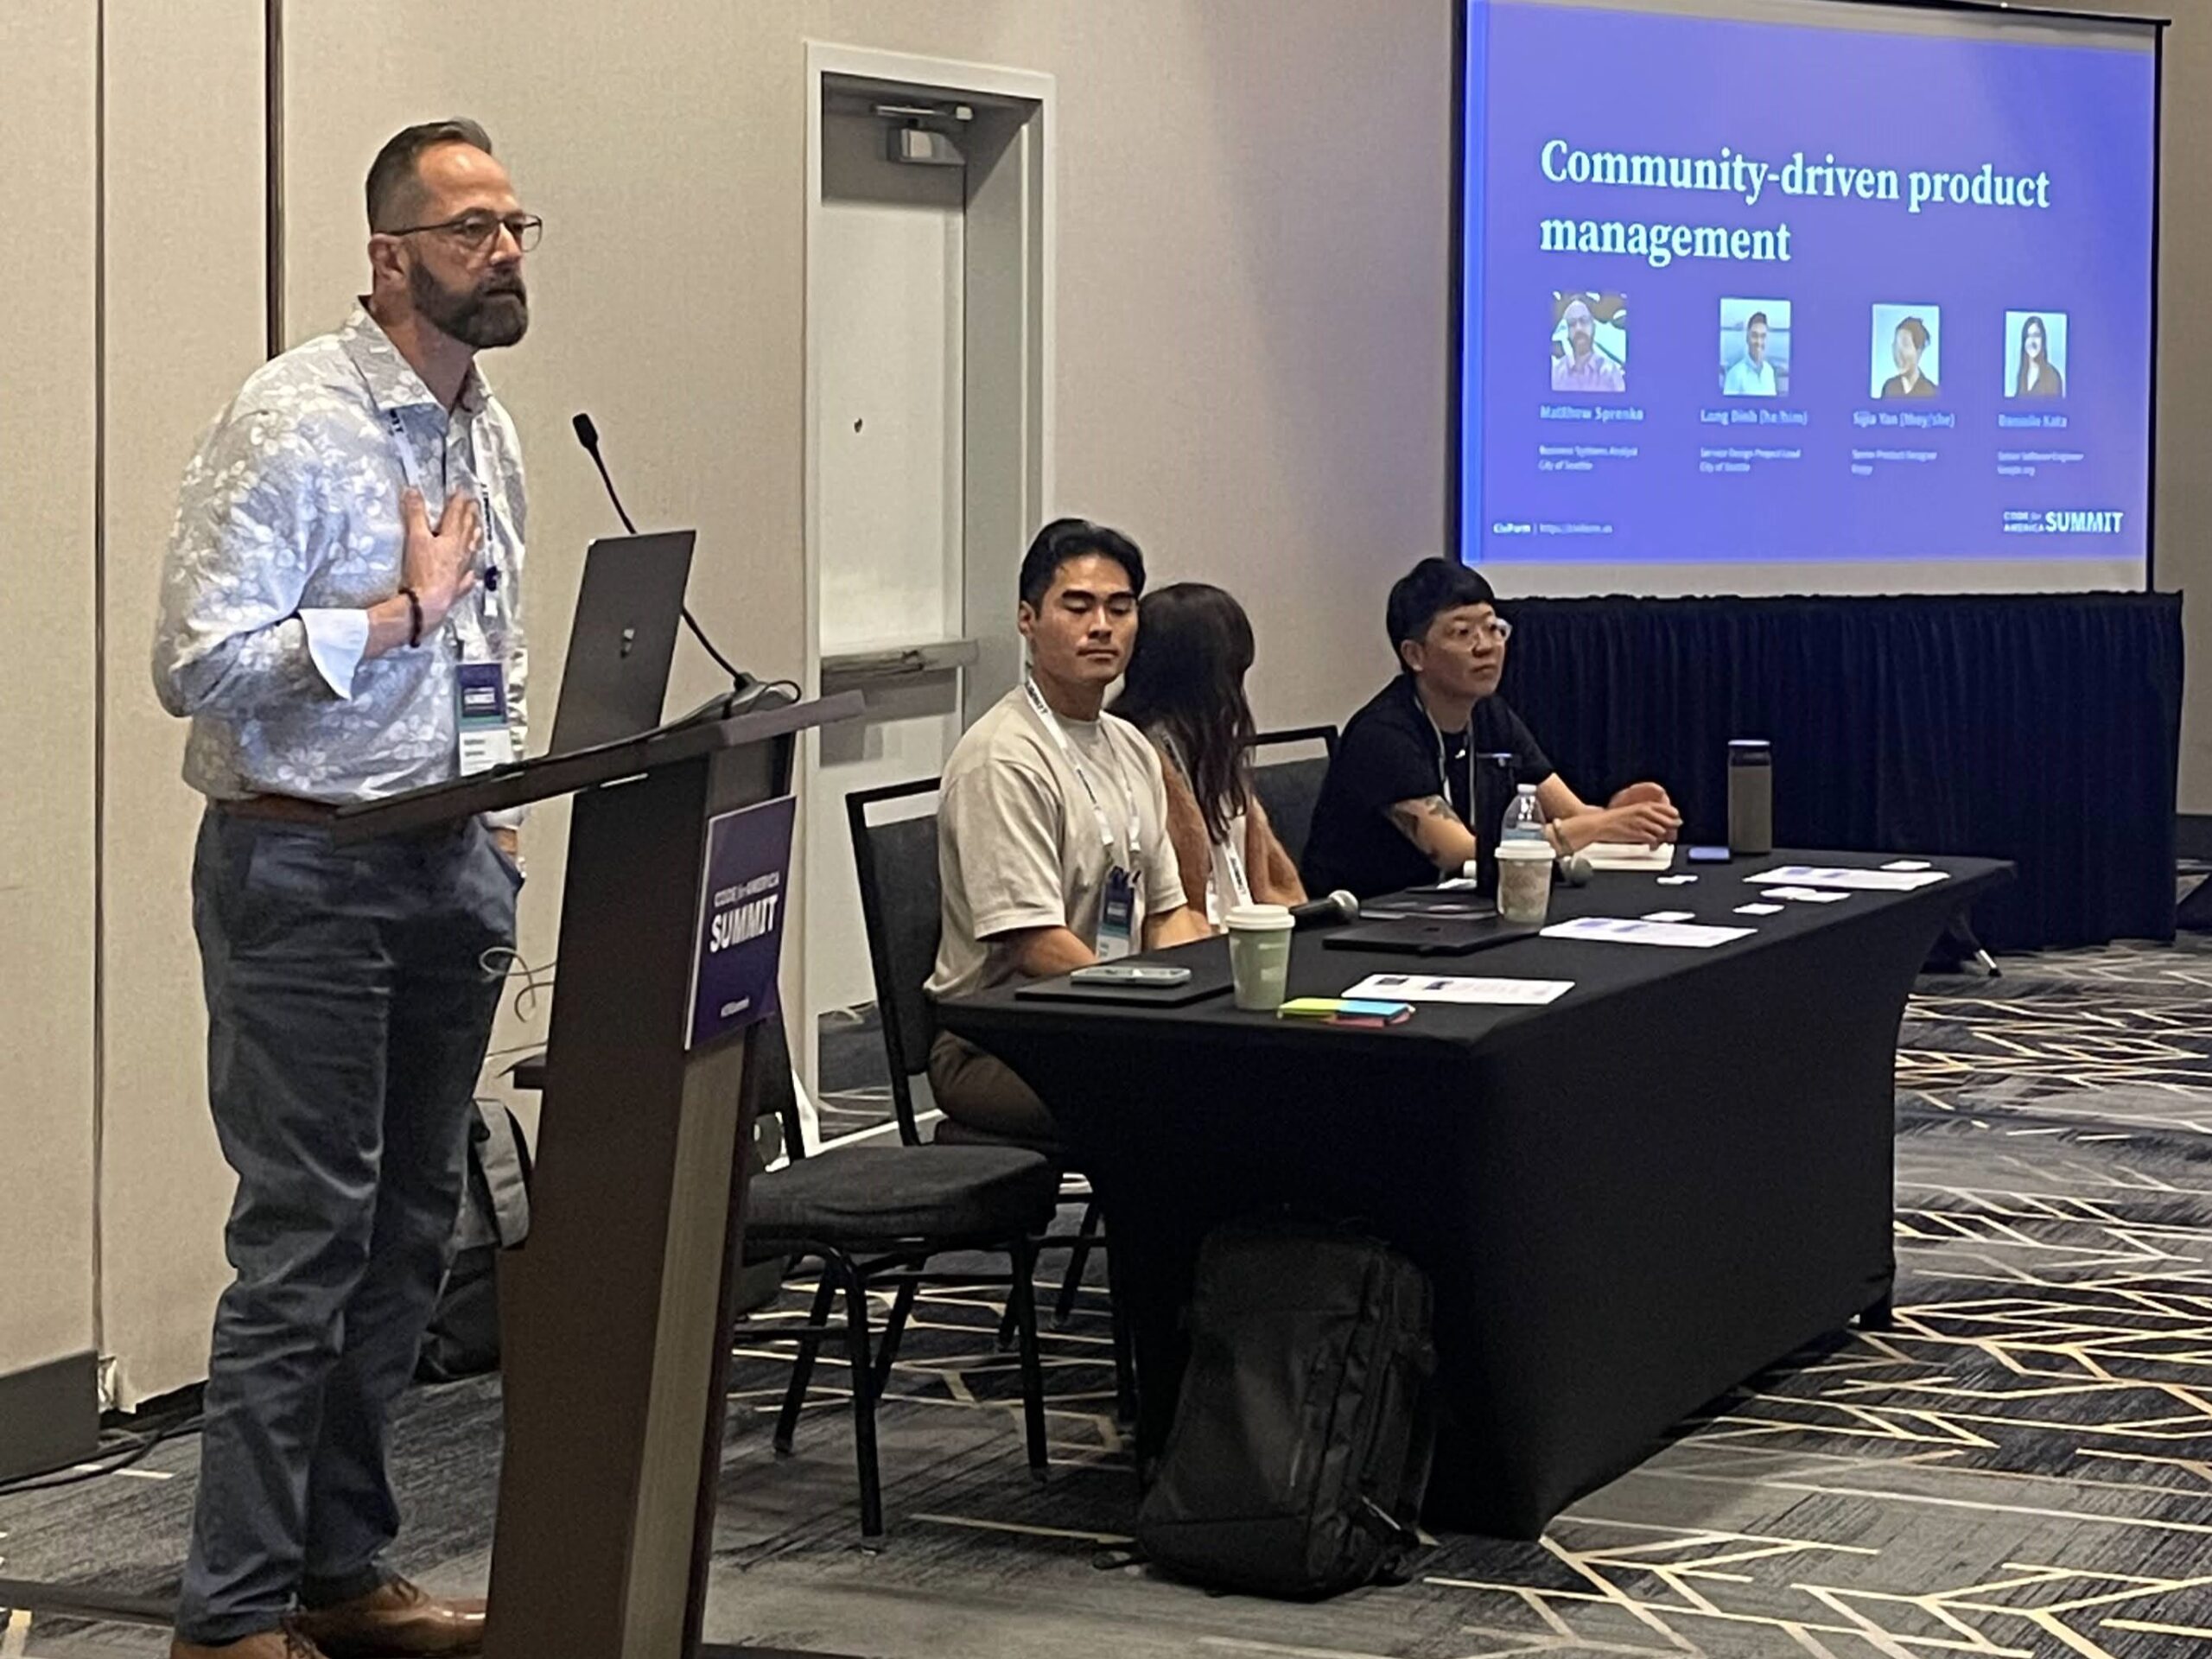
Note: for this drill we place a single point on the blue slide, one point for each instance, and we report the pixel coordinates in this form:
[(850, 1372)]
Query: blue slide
[(1738, 290)]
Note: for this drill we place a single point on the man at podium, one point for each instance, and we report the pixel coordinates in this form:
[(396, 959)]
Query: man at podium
[(340, 620)]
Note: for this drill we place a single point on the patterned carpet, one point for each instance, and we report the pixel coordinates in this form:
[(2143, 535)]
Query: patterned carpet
[(2023, 1467)]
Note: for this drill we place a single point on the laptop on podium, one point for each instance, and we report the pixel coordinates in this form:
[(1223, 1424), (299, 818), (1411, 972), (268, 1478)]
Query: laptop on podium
[(620, 649), (630, 603)]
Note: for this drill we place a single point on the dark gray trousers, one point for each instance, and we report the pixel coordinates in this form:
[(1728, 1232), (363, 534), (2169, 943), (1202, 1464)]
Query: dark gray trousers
[(981, 1092), (349, 1005)]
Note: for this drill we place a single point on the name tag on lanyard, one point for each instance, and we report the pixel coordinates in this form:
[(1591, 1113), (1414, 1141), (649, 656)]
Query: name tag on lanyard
[(480, 716), (1120, 911), (1117, 915), (483, 739)]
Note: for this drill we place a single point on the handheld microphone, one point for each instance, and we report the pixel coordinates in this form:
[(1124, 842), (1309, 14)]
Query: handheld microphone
[(1328, 910), (587, 435)]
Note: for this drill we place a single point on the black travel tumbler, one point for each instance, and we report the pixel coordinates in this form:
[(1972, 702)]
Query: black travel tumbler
[(1751, 796)]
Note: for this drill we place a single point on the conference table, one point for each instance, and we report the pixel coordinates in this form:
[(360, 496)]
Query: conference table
[(1629, 1200)]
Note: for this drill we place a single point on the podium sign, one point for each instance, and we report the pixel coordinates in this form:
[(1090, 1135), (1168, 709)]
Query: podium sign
[(739, 942)]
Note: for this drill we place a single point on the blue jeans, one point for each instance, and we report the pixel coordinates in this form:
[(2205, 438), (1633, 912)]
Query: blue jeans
[(348, 1009)]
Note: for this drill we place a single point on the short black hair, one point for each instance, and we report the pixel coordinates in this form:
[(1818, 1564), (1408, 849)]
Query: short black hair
[(1064, 539), (1759, 317), (395, 187), (1425, 592)]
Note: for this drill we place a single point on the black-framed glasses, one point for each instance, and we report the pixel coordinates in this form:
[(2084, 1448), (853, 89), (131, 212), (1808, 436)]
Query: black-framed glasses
[(476, 232)]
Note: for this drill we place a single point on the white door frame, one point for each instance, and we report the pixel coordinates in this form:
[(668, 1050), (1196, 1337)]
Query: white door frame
[(947, 79)]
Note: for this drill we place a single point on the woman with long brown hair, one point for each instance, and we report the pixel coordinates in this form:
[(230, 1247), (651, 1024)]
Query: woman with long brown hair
[(1185, 690), (2037, 375)]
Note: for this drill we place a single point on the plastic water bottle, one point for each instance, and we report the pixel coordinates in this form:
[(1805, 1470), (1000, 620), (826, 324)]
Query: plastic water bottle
[(1524, 819)]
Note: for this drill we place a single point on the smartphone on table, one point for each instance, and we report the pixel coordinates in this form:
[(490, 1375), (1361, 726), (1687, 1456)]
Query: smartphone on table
[(1143, 974)]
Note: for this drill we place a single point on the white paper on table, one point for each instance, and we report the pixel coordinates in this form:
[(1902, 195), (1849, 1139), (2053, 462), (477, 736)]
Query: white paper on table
[(1629, 855), (1907, 864), (1447, 987), (1671, 916), (1613, 930), (1676, 880), (1758, 910), (1809, 876), (1806, 895)]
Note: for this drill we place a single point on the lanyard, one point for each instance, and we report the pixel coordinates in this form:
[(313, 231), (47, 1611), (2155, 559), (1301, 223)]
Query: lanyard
[(1443, 768), (1052, 724), (1231, 885), (1443, 762), (413, 472)]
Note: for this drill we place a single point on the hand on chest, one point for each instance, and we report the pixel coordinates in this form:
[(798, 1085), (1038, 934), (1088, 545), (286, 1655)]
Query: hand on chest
[(363, 559)]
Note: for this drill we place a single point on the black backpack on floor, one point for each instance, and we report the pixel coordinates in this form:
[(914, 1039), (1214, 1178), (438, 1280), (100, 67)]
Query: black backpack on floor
[(463, 1337), (1300, 1447)]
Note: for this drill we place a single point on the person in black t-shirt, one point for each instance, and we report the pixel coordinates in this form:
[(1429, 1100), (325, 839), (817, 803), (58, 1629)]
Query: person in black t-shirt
[(1402, 790)]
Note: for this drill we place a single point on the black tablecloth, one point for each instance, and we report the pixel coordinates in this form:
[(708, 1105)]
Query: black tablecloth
[(1629, 1200), (2043, 728)]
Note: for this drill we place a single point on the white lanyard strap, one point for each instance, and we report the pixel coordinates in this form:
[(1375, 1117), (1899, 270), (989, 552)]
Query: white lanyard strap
[(1232, 885), (1238, 883), (1443, 765), (411, 469), (1044, 712), (408, 464), (1443, 760)]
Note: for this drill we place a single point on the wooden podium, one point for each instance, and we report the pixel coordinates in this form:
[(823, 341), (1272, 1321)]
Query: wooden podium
[(615, 1314)]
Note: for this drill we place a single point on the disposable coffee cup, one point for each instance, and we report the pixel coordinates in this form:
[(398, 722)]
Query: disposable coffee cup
[(1259, 954), (1524, 880)]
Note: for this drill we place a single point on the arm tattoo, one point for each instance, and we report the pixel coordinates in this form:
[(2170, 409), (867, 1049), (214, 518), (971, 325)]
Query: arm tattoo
[(1408, 816)]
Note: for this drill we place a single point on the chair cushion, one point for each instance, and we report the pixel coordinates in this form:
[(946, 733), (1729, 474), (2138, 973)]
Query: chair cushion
[(857, 1196), (949, 1134)]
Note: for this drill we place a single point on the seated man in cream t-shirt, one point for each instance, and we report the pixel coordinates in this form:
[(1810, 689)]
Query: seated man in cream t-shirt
[(1052, 848)]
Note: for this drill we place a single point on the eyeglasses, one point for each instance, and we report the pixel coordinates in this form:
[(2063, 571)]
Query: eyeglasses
[(476, 232), (1498, 628)]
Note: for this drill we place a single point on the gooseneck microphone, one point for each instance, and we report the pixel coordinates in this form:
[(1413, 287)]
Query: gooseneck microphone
[(587, 435), (1326, 911)]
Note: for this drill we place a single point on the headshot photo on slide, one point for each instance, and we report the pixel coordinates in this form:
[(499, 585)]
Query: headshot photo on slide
[(2035, 354), (1755, 348), (1907, 341), (1589, 342)]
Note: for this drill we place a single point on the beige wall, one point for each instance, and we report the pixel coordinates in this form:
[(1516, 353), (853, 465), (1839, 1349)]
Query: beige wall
[(48, 78), (1250, 376), (184, 324)]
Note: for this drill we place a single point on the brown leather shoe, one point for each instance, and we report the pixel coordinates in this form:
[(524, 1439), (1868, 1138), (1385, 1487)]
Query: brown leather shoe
[(270, 1645), (398, 1621)]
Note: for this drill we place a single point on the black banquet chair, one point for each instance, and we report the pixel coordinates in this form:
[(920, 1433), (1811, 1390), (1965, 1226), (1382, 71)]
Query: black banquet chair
[(1288, 788), (875, 1215), (895, 855)]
